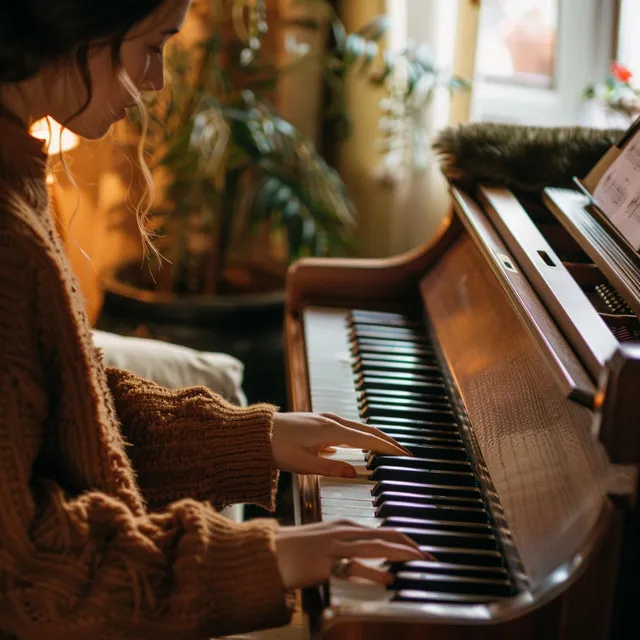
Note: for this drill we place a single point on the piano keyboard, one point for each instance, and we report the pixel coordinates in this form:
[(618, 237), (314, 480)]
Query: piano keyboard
[(380, 368)]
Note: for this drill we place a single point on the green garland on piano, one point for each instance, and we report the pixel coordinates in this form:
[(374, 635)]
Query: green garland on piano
[(526, 159)]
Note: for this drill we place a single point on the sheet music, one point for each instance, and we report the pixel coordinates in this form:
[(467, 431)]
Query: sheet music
[(618, 192)]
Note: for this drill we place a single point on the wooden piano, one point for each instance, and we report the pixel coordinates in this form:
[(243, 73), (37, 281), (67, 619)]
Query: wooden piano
[(506, 356)]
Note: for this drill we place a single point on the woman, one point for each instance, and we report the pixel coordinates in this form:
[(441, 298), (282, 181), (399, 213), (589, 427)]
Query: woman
[(107, 481)]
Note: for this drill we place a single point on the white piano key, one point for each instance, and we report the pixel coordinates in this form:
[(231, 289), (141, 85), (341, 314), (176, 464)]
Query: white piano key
[(333, 390), (344, 591), (347, 509), (372, 523), (359, 503)]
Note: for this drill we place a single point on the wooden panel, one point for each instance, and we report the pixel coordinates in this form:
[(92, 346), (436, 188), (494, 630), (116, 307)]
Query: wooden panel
[(565, 300), (549, 473), (559, 357), (619, 423)]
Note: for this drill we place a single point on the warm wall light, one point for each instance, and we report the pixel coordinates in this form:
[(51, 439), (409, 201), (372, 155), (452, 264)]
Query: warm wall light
[(58, 140), (49, 130)]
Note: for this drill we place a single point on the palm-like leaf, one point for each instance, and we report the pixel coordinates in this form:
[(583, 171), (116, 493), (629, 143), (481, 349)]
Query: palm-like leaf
[(296, 189)]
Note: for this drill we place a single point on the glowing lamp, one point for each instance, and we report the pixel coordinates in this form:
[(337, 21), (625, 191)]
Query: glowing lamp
[(49, 130)]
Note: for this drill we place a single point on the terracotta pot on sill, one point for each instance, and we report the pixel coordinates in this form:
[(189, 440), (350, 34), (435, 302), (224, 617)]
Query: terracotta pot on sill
[(532, 52)]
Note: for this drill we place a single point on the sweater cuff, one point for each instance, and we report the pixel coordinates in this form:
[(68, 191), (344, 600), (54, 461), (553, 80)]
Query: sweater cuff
[(246, 580), (225, 458), (192, 443)]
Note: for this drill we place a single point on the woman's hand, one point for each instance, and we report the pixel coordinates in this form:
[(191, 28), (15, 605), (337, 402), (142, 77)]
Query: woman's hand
[(299, 437), (306, 555)]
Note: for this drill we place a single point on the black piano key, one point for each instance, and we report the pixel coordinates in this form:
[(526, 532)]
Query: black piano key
[(409, 376), (432, 451), (445, 527), (374, 333), (456, 555), (432, 597), (439, 416), (368, 347), (360, 327), (452, 478), (449, 568), (438, 403), (428, 464), (357, 325), (396, 421), (386, 319), (451, 584), (414, 348), (423, 488), (425, 498), (420, 437), (385, 394), (397, 359), (432, 447), (427, 389), (437, 449), (433, 537), (397, 509), (476, 528), (390, 364)]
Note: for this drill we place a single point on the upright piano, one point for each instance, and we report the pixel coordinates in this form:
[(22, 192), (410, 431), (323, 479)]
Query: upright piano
[(505, 355)]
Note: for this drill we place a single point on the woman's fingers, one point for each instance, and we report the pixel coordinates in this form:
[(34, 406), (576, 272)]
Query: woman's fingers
[(369, 572), (377, 549), (328, 449), (359, 426), (309, 463), (348, 532), (363, 440)]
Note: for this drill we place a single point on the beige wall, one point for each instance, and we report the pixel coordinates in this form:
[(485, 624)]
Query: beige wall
[(398, 216)]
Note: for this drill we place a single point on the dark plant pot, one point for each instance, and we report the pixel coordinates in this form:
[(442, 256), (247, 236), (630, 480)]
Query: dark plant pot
[(247, 326)]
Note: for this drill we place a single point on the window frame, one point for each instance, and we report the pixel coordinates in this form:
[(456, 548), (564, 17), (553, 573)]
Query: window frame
[(585, 44)]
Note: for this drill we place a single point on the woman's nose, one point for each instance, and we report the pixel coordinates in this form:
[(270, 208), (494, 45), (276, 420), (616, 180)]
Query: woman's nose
[(153, 81)]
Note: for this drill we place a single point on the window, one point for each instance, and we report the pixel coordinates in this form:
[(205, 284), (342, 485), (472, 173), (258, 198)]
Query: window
[(518, 41), (535, 58), (628, 41)]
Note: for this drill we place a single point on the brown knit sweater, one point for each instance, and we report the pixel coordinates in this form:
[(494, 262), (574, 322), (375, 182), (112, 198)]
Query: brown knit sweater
[(88, 547)]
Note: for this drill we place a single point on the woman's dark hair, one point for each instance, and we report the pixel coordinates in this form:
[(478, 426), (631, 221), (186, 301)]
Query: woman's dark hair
[(38, 33), (34, 33)]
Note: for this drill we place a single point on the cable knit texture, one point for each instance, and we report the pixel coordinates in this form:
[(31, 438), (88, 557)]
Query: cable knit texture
[(88, 549)]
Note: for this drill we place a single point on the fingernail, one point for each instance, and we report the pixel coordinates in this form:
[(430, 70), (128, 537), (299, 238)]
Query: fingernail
[(407, 452), (348, 472)]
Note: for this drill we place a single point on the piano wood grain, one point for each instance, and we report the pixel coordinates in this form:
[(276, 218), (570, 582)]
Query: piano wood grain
[(560, 358), (561, 294), (372, 283), (549, 472)]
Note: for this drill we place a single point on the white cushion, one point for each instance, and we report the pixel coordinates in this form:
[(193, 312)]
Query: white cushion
[(173, 366)]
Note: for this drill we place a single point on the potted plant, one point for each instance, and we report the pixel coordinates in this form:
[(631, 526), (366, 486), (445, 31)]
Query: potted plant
[(229, 169), (231, 166), (616, 101)]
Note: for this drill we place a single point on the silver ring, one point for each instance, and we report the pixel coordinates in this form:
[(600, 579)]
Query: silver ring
[(341, 568)]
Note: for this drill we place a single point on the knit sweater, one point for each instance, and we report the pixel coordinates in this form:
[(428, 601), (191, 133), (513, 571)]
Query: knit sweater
[(109, 484)]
